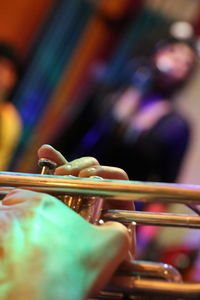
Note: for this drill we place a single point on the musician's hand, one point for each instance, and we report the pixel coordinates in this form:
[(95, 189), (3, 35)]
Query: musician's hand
[(85, 167), (81, 167), (50, 252)]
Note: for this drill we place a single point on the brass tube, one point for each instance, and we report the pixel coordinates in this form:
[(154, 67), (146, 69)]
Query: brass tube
[(132, 286), (112, 189), (149, 218), (149, 269), (124, 190)]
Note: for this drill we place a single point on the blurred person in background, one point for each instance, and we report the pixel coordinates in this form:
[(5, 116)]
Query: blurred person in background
[(135, 125), (10, 121)]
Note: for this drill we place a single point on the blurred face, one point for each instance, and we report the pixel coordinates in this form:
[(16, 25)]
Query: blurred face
[(175, 62)]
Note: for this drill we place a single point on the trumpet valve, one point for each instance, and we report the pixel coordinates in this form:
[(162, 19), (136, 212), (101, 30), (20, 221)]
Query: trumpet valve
[(48, 166)]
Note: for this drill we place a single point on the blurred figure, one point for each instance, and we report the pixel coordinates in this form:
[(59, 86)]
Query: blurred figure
[(151, 137), (10, 122), (135, 126)]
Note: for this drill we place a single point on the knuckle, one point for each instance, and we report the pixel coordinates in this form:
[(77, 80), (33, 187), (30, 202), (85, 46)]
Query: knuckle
[(92, 160)]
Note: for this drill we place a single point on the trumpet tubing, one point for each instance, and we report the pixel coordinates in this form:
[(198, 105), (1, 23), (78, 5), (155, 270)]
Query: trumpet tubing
[(109, 189), (149, 218), (86, 196)]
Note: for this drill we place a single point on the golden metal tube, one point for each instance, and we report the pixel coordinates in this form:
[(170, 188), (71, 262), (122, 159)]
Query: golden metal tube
[(125, 190), (149, 218), (112, 189), (149, 269), (132, 286)]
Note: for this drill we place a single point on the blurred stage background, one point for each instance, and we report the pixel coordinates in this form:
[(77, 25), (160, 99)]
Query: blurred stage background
[(61, 40)]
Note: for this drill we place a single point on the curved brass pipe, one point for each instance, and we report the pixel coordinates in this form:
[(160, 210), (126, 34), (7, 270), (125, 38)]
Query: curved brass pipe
[(149, 269), (173, 290)]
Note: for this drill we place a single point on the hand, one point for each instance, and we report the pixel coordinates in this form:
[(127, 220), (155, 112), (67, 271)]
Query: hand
[(86, 167), (50, 252), (81, 167)]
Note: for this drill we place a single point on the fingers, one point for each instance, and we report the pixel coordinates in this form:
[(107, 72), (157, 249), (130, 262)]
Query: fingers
[(112, 242), (47, 151), (89, 166), (82, 167), (22, 200), (107, 172), (104, 172), (121, 235), (64, 167), (20, 204), (76, 166), (17, 196)]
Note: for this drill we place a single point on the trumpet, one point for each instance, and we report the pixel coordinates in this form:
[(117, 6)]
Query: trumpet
[(137, 279)]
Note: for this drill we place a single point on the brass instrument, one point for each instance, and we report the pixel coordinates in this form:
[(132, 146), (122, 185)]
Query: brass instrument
[(136, 279)]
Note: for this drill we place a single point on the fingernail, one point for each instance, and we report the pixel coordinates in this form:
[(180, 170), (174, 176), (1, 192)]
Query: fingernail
[(47, 145)]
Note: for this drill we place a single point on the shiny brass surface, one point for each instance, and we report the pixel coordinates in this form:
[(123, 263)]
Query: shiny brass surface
[(138, 280), (112, 189), (149, 218), (172, 290), (147, 269)]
